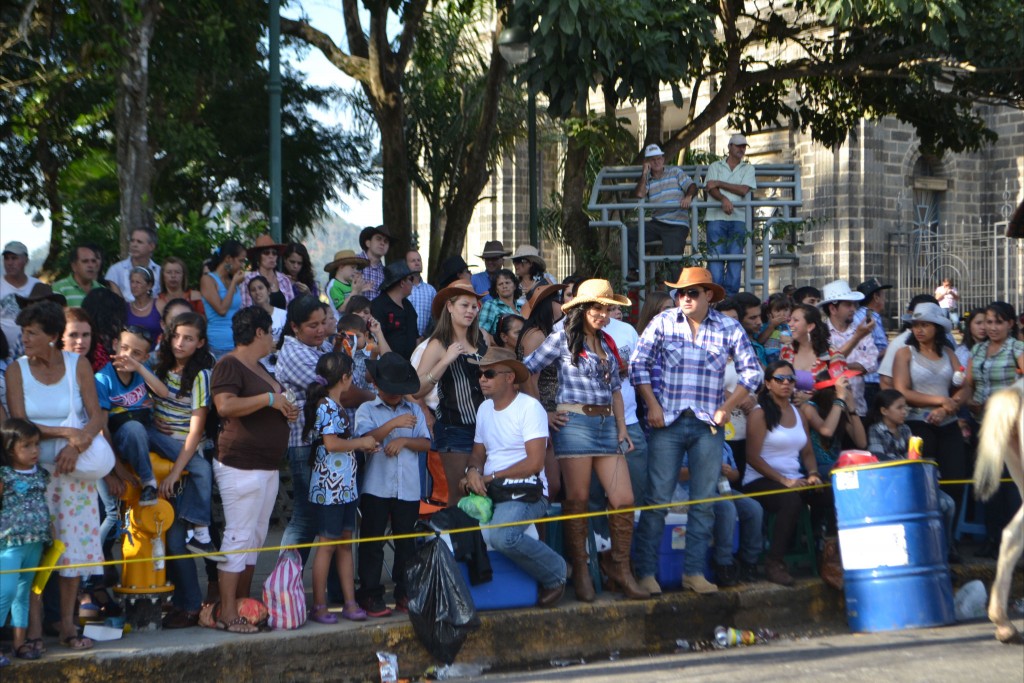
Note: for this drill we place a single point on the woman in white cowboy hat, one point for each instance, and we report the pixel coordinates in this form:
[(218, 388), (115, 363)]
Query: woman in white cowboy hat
[(594, 438), (445, 364), (263, 257)]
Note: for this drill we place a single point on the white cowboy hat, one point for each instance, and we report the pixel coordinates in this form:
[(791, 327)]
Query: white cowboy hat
[(838, 290), (931, 313)]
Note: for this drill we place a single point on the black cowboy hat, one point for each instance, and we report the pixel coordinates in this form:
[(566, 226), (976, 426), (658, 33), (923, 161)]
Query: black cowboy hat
[(394, 374), (395, 273), (449, 271)]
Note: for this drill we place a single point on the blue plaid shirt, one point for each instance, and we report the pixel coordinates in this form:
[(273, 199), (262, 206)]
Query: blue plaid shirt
[(373, 276), (877, 335), (421, 298), (684, 372), (295, 370), (592, 380)]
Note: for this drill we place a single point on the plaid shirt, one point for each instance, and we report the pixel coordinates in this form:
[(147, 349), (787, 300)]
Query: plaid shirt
[(284, 283), (591, 380), (492, 312), (877, 335), (887, 446), (865, 353), (687, 373), (295, 370), (421, 298), (373, 276)]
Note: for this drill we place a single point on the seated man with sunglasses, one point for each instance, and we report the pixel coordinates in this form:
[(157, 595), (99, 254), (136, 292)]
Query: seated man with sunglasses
[(507, 465), (678, 369)]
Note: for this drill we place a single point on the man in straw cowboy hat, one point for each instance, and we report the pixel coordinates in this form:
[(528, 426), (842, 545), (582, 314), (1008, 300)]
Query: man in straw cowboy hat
[(346, 278), (678, 370), (507, 464), (839, 303), (494, 255)]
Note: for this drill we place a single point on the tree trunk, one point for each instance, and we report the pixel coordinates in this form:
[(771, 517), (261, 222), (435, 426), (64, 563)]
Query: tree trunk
[(397, 188), (575, 223), (134, 160), (653, 135)]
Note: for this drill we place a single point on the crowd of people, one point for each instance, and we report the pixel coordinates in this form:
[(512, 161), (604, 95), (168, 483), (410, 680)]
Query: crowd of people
[(531, 391)]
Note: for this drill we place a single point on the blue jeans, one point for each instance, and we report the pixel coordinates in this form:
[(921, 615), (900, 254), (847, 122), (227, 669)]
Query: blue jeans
[(110, 519), (302, 526), (132, 443), (636, 462), (532, 556), (724, 238), (187, 595), (666, 447), (15, 588), (195, 500), (751, 517)]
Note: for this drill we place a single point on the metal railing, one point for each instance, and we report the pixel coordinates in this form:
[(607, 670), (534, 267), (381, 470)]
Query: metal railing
[(776, 200)]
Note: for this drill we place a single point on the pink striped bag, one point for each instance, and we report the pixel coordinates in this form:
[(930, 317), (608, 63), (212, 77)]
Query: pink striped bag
[(284, 594)]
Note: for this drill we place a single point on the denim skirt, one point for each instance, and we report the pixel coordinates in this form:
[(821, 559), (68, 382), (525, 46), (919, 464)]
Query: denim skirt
[(449, 438), (586, 436)]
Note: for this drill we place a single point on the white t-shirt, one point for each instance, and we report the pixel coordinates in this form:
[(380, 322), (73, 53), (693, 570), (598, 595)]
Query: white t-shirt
[(9, 311), (625, 339), (120, 275), (504, 433), (885, 367), (781, 450), (430, 399), (736, 428)]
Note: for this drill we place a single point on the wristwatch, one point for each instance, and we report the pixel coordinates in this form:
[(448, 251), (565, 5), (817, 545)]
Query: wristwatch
[(473, 467)]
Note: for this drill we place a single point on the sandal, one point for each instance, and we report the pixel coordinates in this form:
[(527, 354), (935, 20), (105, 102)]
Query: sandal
[(37, 643), (321, 616), (26, 651), (237, 625), (353, 612), (77, 642)]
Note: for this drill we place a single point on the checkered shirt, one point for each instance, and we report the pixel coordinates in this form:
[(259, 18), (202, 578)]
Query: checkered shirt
[(421, 298), (373, 276), (590, 381)]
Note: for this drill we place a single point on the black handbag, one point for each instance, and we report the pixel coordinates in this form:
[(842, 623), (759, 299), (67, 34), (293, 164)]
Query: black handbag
[(523, 490)]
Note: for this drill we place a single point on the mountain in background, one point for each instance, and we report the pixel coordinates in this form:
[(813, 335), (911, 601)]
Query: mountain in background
[(330, 235)]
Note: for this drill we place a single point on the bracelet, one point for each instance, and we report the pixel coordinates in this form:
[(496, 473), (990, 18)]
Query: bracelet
[(473, 467), (270, 395), (814, 474), (431, 378), (841, 403)]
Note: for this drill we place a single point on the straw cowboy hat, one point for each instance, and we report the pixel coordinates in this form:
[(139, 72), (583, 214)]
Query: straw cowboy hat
[(495, 249), (931, 313), (698, 277), (537, 295), (596, 292), (838, 290), (497, 355), (345, 257), (263, 242), (530, 253), (450, 292)]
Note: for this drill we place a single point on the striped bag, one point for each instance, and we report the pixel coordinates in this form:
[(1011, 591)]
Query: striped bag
[(284, 594)]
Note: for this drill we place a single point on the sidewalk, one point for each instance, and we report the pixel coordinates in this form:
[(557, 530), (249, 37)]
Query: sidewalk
[(507, 640)]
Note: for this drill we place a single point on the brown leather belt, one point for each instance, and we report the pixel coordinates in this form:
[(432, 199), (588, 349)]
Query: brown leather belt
[(588, 409)]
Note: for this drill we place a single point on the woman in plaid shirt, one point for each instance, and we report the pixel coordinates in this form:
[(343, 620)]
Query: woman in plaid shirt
[(594, 440)]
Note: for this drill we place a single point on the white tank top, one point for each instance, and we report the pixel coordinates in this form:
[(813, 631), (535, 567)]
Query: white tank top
[(48, 404), (781, 450)]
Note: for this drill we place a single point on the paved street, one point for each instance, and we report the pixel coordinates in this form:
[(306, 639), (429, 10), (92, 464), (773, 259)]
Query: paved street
[(965, 652)]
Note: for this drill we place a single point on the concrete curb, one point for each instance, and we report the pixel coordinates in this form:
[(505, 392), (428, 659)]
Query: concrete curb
[(507, 640)]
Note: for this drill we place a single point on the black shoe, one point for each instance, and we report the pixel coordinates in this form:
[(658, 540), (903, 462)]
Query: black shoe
[(726, 575), (375, 607), (205, 548), (988, 549), (748, 572), (148, 496)]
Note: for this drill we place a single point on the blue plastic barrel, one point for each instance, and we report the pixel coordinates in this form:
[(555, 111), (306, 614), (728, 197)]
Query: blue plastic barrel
[(893, 546)]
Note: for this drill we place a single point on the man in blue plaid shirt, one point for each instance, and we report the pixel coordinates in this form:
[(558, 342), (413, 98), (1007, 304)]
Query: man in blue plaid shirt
[(678, 369)]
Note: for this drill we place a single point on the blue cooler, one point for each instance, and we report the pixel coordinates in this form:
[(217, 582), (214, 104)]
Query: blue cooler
[(511, 586), (893, 546), (672, 552)]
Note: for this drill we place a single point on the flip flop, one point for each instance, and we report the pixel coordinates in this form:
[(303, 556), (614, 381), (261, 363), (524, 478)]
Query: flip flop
[(234, 625), (77, 642)]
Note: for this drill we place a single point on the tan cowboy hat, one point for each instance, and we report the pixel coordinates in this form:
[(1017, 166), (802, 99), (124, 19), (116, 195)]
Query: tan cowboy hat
[(596, 292), (537, 295), (530, 253), (263, 242), (495, 249), (497, 355), (345, 257), (699, 277), (450, 292)]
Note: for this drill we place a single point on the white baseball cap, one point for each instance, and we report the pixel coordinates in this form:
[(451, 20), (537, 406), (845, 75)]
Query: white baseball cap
[(16, 248), (737, 139), (652, 151)]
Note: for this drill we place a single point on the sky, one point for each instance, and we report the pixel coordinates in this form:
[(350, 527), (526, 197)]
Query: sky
[(16, 220)]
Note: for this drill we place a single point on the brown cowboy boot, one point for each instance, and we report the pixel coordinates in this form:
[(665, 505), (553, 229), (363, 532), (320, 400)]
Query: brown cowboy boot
[(620, 528), (576, 533)]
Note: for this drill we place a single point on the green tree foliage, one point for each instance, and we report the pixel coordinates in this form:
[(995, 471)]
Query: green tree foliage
[(820, 65), (207, 120)]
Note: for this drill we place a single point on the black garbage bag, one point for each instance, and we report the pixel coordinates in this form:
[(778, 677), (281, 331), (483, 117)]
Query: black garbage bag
[(440, 605)]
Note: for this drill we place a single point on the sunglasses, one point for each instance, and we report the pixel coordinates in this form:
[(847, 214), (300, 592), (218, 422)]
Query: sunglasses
[(491, 374), (692, 293), (788, 379)]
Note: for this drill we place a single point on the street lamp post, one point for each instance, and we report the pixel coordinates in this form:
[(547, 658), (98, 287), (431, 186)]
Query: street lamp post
[(514, 46), (274, 89)]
